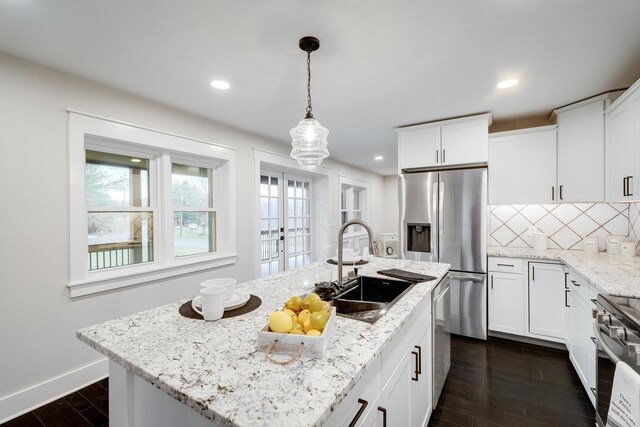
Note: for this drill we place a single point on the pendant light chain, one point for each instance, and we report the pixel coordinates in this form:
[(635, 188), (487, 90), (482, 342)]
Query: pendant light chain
[(309, 115)]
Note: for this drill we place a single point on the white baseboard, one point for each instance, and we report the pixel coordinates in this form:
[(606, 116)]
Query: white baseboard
[(26, 400)]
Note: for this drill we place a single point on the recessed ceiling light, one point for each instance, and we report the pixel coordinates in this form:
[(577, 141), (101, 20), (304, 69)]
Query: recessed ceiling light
[(378, 158), (220, 84), (136, 160), (507, 83)]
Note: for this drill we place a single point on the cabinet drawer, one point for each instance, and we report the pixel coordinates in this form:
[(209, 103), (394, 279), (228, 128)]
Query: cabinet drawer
[(506, 265), (368, 389)]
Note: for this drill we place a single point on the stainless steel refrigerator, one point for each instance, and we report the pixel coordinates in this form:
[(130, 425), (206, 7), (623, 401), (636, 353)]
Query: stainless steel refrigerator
[(443, 219)]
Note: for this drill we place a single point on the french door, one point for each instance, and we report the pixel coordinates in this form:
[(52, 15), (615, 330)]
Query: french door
[(285, 222)]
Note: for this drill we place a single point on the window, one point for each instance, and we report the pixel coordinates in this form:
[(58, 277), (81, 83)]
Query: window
[(142, 210), (353, 203)]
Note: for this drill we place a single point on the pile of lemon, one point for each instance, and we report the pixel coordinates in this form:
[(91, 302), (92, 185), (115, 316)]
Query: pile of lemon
[(308, 316)]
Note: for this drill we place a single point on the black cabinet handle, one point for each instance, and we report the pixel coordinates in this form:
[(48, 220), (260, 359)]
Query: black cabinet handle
[(384, 415), (492, 281), (593, 339), (355, 419), (561, 198), (419, 358), (624, 186), (566, 284), (593, 390), (415, 353), (533, 273), (629, 192), (553, 193), (566, 302), (575, 283), (443, 156), (505, 265)]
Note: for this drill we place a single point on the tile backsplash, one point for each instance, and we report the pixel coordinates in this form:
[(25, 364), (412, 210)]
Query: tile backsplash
[(566, 224)]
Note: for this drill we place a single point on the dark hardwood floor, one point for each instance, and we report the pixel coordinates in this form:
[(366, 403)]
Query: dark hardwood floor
[(505, 383), (84, 408), (492, 383)]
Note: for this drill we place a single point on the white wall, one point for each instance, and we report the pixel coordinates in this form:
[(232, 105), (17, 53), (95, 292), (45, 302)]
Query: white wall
[(392, 208), (38, 320)]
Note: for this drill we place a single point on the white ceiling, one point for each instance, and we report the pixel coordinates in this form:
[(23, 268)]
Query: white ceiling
[(381, 64)]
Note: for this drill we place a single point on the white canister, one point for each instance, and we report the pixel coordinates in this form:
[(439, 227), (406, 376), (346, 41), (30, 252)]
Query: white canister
[(540, 241), (628, 249), (613, 244), (590, 245)]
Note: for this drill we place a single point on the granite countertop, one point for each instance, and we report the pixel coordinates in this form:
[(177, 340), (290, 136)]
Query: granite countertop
[(216, 369), (610, 274)]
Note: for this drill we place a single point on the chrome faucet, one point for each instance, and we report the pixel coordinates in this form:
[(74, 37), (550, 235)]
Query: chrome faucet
[(373, 250)]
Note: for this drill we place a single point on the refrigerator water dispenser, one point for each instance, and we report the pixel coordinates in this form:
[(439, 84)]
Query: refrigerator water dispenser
[(419, 237)]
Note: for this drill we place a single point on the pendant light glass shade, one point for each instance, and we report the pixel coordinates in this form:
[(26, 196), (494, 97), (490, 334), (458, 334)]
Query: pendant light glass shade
[(309, 141), (309, 138)]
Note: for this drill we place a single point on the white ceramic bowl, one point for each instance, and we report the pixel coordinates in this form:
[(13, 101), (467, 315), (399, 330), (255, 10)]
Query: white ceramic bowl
[(227, 282)]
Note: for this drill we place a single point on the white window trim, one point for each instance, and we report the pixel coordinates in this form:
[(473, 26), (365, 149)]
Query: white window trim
[(83, 282), (345, 180)]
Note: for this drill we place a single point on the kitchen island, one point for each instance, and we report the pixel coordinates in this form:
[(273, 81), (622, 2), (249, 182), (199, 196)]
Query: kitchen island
[(216, 370)]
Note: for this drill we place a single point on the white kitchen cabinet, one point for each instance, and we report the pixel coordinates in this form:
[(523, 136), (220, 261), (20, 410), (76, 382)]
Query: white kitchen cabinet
[(506, 302), (581, 151), (419, 148), (622, 144), (395, 399), (546, 300), (465, 142), (444, 143), (583, 347), (421, 387), (566, 310), (522, 166)]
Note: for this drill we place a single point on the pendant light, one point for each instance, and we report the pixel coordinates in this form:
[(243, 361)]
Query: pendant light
[(309, 137)]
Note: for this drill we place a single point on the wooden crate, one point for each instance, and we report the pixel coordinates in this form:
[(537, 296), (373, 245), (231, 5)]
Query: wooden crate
[(290, 344)]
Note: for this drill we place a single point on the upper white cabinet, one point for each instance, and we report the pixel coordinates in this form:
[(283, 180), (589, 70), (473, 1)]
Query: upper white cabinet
[(444, 143), (522, 166), (622, 125), (581, 150)]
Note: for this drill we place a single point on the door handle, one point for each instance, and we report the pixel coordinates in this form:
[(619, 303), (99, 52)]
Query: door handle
[(363, 406), (566, 301), (443, 156), (492, 281), (419, 358), (629, 188), (533, 273), (575, 283), (561, 198), (553, 193), (415, 353), (566, 284), (384, 415), (505, 265), (437, 156), (624, 186)]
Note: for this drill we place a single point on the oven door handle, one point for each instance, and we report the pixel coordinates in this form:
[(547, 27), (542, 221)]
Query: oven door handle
[(596, 330)]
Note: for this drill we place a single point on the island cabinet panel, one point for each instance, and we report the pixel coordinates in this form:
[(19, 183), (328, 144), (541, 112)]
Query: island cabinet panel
[(395, 402), (546, 300), (421, 386)]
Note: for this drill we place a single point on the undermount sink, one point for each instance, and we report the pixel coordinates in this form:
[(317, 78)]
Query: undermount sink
[(369, 298)]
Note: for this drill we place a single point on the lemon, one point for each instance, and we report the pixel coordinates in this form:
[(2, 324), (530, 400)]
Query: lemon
[(279, 321), (319, 305), (297, 326), (291, 312), (309, 299), (297, 332), (303, 316), (318, 320), (314, 333), (307, 326), (294, 304)]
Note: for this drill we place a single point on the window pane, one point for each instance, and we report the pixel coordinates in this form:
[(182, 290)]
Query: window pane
[(264, 269), (343, 217), (119, 238), (273, 208), (264, 185), (298, 207), (306, 191), (114, 180), (275, 268), (194, 233), (291, 202), (290, 188), (299, 189), (274, 187), (191, 186), (356, 200), (264, 207)]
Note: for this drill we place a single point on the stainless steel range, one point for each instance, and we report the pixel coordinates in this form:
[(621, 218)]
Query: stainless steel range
[(617, 333)]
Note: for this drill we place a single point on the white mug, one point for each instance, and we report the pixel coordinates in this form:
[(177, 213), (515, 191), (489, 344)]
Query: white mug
[(225, 282), (210, 302)]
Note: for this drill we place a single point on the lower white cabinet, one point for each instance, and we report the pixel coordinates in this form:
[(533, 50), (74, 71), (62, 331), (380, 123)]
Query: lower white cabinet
[(397, 387), (506, 301), (546, 300), (421, 381), (395, 399)]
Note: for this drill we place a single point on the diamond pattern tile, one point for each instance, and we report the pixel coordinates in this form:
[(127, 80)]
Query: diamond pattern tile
[(565, 224)]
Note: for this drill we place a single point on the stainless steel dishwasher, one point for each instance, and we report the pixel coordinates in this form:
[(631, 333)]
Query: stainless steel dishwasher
[(441, 321)]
